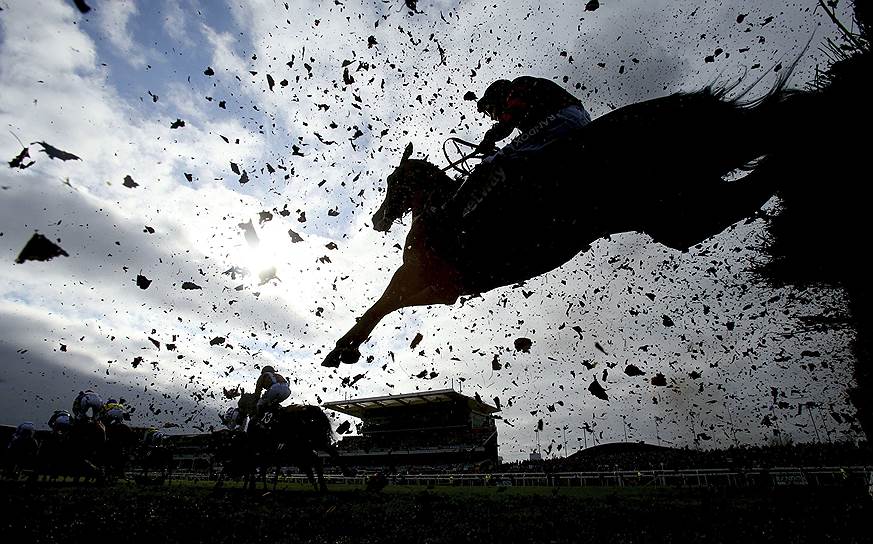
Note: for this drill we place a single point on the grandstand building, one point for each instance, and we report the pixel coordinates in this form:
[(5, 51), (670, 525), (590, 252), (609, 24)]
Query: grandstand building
[(436, 428)]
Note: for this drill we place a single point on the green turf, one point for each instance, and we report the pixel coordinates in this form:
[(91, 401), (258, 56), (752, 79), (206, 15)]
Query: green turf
[(193, 512)]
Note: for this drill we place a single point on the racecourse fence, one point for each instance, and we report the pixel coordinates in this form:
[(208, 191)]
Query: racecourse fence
[(756, 477)]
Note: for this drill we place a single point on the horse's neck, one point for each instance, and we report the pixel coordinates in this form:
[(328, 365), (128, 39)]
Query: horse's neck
[(440, 189)]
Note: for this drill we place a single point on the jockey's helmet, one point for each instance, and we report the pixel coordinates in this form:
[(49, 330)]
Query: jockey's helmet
[(268, 368), (25, 429), (494, 98)]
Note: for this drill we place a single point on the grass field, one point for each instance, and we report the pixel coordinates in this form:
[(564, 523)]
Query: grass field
[(190, 512)]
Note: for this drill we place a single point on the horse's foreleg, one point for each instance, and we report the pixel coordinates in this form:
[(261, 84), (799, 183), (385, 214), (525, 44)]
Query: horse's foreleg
[(310, 476), (319, 470), (407, 288)]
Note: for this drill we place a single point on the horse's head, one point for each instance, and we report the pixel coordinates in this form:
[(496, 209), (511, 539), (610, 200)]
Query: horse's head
[(407, 190), (247, 403)]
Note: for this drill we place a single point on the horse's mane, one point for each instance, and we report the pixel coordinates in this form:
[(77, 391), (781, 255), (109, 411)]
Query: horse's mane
[(428, 168), (440, 185)]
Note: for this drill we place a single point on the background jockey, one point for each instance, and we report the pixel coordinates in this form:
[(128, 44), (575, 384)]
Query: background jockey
[(154, 438), (60, 421), (540, 109), (25, 431), (275, 387), (86, 400), (233, 419), (114, 412)]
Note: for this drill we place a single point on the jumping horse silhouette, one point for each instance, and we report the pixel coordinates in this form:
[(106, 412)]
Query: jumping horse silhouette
[(656, 167)]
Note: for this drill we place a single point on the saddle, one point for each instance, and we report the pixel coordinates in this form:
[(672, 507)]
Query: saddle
[(269, 417)]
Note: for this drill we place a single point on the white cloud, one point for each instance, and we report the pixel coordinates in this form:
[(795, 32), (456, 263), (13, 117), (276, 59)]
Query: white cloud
[(175, 21), (114, 18)]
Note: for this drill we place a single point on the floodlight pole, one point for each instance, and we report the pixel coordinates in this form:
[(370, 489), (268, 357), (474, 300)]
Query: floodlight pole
[(693, 430), (824, 423), (809, 407), (731, 420)]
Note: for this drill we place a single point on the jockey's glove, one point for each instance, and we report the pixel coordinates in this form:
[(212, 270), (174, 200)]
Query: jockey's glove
[(487, 146)]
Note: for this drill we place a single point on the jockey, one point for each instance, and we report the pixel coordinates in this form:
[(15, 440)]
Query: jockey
[(540, 109), (275, 387), (154, 438), (61, 421), (233, 419), (524, 104), (23, 432), (114, 412), (86, 400)]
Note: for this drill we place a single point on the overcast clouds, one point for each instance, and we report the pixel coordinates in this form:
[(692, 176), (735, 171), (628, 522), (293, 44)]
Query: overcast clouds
[(86, 84)]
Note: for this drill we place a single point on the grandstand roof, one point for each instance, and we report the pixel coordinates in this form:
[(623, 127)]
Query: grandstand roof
[(360, 407)]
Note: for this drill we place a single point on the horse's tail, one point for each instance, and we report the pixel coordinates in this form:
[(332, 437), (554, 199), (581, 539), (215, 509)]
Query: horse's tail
[(322, 432), (769, 120)]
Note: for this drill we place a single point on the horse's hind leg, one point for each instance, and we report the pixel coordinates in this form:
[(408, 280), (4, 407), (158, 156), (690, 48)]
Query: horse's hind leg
[(714, 208)]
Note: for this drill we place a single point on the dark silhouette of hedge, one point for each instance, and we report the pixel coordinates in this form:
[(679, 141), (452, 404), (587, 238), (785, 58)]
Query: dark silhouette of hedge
[(819, 237)]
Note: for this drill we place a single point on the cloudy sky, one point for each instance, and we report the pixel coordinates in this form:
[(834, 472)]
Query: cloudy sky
[(352, 84)]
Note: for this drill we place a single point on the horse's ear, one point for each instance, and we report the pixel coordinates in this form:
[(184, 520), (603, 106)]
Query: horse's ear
[(406, 153)]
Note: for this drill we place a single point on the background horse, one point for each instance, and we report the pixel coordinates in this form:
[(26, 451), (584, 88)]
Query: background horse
[(120, 444), (655, 167), (53, 459), (292, 435), (19, 455), (233, 450), (78, 452), (156, 457)]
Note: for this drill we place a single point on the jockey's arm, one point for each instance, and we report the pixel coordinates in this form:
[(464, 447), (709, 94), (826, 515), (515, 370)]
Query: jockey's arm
[(500, 131), (260, 385)]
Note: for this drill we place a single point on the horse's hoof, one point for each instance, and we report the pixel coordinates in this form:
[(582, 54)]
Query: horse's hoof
[(332, 360), (345, 355), (350, 356)]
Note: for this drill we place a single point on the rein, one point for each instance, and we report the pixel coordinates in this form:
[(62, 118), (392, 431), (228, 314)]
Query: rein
[(460, 165)]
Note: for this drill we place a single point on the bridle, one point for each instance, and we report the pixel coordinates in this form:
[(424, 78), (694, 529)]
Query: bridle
[(460, 165)]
